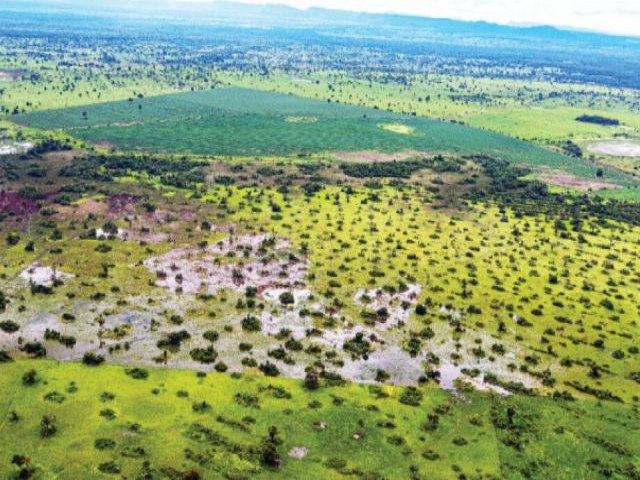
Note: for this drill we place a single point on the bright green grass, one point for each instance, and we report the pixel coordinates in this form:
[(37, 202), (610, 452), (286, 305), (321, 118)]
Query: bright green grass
[(552, 123), (234, 121), (483, 437)]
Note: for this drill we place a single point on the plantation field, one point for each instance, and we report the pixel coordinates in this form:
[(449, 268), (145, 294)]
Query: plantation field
[(234, 121), (102, 422)]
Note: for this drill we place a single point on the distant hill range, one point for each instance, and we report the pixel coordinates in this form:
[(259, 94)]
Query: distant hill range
[(590, 57)]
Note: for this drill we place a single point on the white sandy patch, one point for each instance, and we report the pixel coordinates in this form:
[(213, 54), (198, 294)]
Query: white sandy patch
[(298, 452), (39, 274), (273, 322), (392, 302), (230, 263), (273, 294), (450, 373), (452, 313), (122, 234), (248, 242), (398, 364), (15, 148), (616, 149)]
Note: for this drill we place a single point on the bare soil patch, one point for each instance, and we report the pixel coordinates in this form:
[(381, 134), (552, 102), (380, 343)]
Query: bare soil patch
[(14, 204), (298, 452), (123, 202), (569, 181), (39, 274), (105, 145), (616, 149), (234, 262), (374, 156), (92, 207)]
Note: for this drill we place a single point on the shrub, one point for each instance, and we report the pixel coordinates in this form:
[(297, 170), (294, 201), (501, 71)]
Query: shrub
[(211, 335), (9, 326), (204, 355), (30, 378), (92, 359), (269, 449), (173, 340), (3, 301), (311, 380), (411, 396), (104, 444), (269, 369), (137, 373), (221, 367), (5, 357), (48, 426), (13, 239), (251, 324), (109, 467), (35, 349), (287, 298)]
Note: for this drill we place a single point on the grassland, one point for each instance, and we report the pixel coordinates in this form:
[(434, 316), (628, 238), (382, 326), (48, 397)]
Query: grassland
[(554, 308), (537, 111), (109, 424)]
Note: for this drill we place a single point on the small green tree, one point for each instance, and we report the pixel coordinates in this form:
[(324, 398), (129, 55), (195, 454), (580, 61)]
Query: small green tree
[(269, 450)]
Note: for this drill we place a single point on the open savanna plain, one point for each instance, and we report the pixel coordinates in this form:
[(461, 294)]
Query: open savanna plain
[(234, 253), (438, 310)]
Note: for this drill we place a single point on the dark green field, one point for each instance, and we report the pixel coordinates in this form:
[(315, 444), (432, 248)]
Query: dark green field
[(234, 121)]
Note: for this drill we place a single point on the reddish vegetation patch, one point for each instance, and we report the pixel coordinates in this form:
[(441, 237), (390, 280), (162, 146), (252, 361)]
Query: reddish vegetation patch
[(120, 202), (569, 181), (373, 156), (13, 204), (188, 214)]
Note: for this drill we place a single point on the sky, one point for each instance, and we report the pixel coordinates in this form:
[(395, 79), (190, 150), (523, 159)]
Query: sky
[(620, 17)]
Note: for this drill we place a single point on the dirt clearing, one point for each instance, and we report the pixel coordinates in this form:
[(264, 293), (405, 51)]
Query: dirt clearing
[(569, 181), (616, 149), (373, 156)]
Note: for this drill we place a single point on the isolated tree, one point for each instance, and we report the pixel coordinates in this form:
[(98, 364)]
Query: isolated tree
[(48, 426), (269, 450), (311, 380)]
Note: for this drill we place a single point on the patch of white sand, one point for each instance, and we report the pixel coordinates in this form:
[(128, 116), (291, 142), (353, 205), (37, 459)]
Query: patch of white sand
[(39, 274), (393, 303), (616, 149), (208, 270), (122, 234), (15, 148), (298, 452)]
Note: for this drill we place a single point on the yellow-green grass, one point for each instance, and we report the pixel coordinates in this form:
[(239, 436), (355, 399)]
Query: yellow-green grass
[(513, 260)]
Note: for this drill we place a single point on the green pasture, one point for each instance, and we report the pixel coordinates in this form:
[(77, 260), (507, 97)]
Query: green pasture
[(111, 425)]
